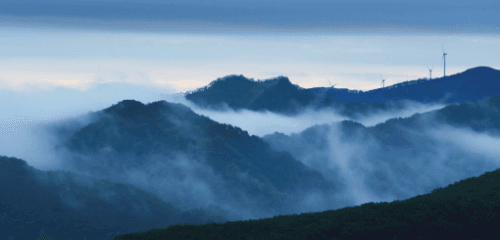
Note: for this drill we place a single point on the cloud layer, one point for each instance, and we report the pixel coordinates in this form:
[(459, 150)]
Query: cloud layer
[(262, 123)]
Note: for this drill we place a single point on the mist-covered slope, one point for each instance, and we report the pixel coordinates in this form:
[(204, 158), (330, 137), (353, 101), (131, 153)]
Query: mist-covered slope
[(65, 205), (402, 157), (472, 85), (466, 209), (191, 161), (276, 95)]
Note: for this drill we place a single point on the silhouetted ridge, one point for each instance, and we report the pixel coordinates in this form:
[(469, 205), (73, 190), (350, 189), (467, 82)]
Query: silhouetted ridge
[(236, 88), (282, 97), (477, 71), (277, 94), (126, 108), (472, 85), (131, 109), (12, 169), (132, 119), (12, 163)]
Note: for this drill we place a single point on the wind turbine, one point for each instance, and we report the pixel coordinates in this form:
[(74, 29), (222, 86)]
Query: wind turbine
[(332, 86), (383, 80), (430, 72), (444, 60), (323, 93)]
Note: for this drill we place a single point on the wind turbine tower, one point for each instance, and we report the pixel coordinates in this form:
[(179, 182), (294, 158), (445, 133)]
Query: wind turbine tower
[(430, 72), (383, 81), (444, 60)]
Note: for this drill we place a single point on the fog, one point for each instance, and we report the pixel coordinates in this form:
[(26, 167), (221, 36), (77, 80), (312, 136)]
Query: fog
[(363, 168), (414, 164), (27, 112), (176, 178), (262, 123)]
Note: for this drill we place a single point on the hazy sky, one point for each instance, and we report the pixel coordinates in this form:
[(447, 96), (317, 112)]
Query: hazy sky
[(175, 46)]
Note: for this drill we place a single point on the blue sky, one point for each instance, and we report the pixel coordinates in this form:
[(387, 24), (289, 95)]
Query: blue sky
[(59, 48)]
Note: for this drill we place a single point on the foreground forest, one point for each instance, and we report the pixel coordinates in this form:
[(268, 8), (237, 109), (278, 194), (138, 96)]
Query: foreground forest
[(468, 209)]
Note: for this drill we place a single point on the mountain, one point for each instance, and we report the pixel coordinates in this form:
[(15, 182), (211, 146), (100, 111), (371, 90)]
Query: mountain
[(238, 92), (67, 205), (276, 95), (481, 117), (190, 160), (467, 209), (472, 85), (281, 96), (401, 157)]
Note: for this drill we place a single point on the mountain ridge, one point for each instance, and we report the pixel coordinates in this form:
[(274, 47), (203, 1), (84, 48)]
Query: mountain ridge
[(276, 95), (254, 95), (471, 85), (139, 136), (281, 96)]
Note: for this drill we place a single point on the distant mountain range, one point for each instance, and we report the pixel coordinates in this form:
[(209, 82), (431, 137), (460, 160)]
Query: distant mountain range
[(276, 95), (472, 85), (280, 95)]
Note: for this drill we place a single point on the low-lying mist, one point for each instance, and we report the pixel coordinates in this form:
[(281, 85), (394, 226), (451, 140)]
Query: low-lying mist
[(28, 113), (265, 122), (390, 162), (361, 163)]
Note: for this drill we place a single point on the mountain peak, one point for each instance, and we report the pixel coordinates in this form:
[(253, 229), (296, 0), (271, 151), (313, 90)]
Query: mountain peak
[(237, 92), (229, 79), (128, 103), (126, 108), (282, 80), (479, 71), (132, 109)]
